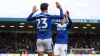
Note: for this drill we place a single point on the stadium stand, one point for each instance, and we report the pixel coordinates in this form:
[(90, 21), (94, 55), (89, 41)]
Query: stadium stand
[(26, 41)]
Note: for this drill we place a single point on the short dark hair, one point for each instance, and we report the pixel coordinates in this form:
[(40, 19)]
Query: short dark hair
[(44, 6)]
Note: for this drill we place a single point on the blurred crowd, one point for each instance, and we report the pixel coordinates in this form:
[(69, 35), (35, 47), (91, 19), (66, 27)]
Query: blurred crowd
[(85, 41), (18, 42), (7, 42)]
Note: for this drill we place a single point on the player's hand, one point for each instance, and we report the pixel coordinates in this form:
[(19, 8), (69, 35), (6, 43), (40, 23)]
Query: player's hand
[(67, 14), (58, 5), (34, 9)]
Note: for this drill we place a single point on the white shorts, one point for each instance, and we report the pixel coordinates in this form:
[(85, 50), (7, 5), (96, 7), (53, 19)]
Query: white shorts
[(44, 45), (60, 49)]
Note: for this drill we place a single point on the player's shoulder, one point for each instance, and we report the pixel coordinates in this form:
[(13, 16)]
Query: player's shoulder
[(51, 15), (47, 14), (65, 24), (39, 15), (58, 24)]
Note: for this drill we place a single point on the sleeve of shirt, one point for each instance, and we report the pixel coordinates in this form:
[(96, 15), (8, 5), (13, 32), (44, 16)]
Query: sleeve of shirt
[(53, 24), (69, 23), (30, 18), (61, 16)]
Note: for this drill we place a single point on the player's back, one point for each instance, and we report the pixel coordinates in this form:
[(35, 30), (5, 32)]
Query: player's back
[(43, 26), (43, 21)]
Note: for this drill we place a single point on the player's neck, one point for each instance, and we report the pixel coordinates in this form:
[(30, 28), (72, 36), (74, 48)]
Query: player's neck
[(44, 11), (62, 23)]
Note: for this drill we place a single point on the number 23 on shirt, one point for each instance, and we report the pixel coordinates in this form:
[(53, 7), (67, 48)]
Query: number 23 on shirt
[(41, 23)]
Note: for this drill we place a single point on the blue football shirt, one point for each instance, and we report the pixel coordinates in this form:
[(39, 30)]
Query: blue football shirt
[(43, 21), (62, 32)]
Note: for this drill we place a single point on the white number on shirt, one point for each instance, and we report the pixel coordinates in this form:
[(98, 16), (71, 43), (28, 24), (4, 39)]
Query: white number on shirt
[(43, 22)]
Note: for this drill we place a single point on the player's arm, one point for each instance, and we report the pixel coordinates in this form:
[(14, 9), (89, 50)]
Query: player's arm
[(70, 21), (61, 16), (30, 18)]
